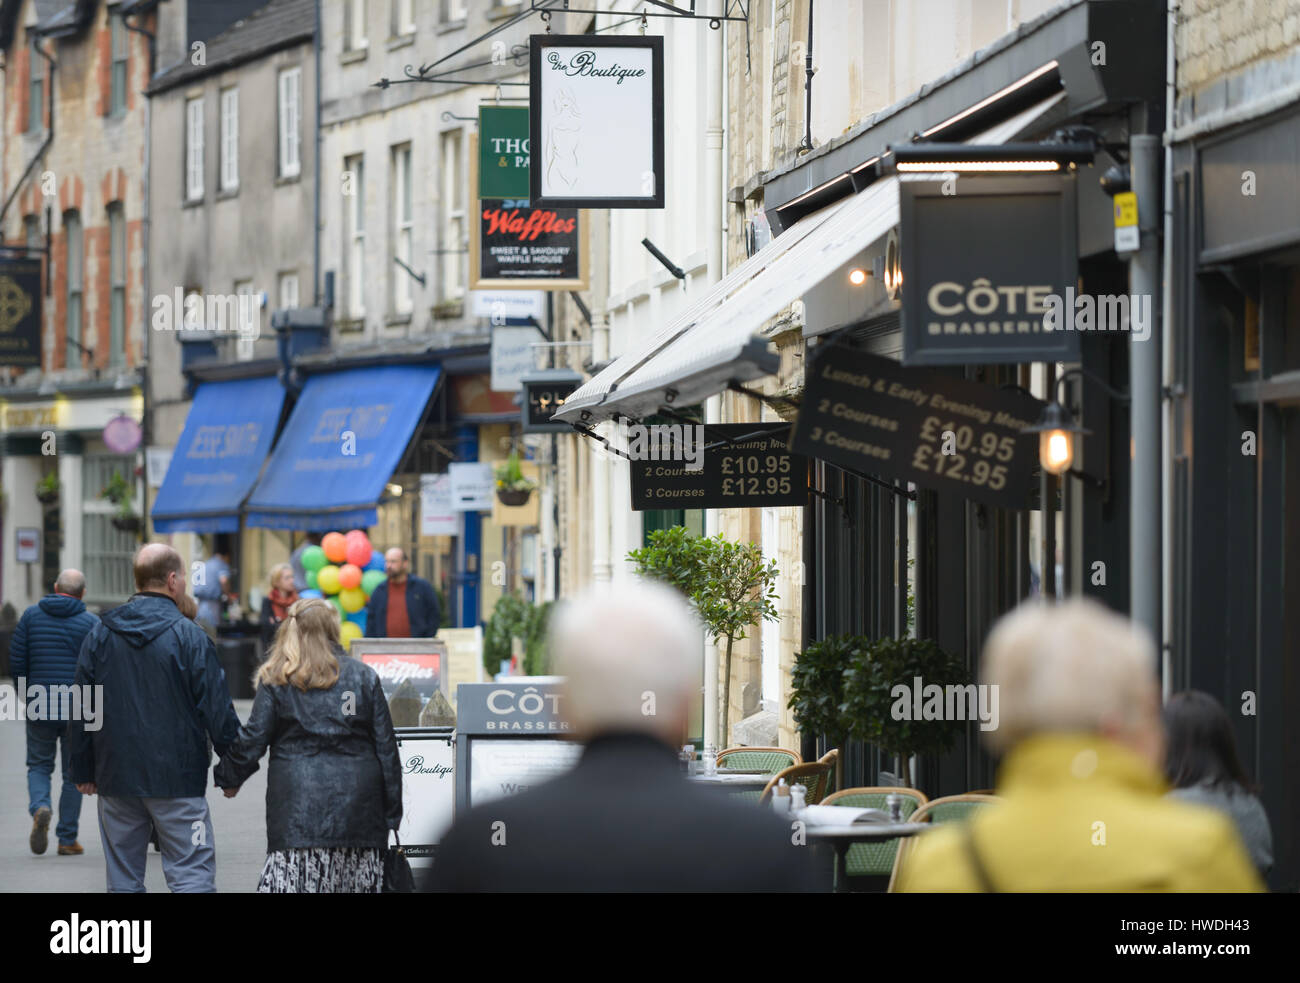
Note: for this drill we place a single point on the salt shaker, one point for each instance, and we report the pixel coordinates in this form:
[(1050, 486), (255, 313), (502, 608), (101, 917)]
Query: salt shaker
[(686, 758), (798, 803), (710, 760), (895, 805)]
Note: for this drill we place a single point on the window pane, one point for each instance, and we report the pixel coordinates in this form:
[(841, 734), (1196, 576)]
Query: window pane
[(36, 106)]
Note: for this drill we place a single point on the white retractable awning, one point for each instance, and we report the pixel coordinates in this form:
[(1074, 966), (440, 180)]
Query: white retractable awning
[(701, 362), (594, 391), (713, 343)]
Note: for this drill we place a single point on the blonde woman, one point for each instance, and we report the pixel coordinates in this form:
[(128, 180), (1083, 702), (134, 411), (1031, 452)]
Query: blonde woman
[(335, 787), (275, 606)]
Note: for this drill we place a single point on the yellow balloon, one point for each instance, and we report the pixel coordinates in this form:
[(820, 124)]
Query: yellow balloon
[(352, 599), (348, 632), (327, 579)]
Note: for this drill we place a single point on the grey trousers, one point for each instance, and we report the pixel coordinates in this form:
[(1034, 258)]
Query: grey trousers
[(189, 858)]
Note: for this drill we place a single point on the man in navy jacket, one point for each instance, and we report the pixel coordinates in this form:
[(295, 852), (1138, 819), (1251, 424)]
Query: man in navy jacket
[(402, 606), (43, 654), (163, 690)]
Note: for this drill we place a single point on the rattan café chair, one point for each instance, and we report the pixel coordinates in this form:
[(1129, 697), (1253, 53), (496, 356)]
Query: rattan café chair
[(948, 809), (769, 759), (818, 778)]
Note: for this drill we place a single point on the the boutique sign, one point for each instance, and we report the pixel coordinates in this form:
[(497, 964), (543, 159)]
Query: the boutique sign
[(596, 121)]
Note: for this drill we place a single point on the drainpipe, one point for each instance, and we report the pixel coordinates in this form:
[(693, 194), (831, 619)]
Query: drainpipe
[(1167, 349), (601, 567), (146, 423), (315, 235), (1145, 506), (713, 133)]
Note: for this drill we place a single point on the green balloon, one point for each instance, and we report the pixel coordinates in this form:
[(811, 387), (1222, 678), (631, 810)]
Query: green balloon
[(313, 558), (311, 580), (338, 606), (370, 580)]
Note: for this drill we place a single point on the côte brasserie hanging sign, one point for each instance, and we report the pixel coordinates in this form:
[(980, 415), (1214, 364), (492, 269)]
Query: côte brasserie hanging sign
[(596, 114)]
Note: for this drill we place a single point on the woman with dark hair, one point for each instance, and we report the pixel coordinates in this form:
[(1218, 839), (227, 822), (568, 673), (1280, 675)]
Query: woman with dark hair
[(1201, 764)]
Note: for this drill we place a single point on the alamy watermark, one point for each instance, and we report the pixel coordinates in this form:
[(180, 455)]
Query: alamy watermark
[(38, 702), (660, 442), (930, 701), (225, 313), (1099, 312)]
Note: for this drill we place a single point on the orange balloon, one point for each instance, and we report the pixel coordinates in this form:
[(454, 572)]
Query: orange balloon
[(335, 547), (349, 576)]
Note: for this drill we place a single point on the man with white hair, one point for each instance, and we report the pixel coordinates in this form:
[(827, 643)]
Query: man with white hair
[(623, 819), (1081, 780)]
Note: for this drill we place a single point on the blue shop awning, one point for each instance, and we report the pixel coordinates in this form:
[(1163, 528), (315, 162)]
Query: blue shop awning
[(227, 436), (340, 447)]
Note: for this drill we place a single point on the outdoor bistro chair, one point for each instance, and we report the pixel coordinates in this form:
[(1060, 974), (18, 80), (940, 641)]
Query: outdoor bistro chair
[(817, 777), (875, 859), (948, 809), (770, 759)]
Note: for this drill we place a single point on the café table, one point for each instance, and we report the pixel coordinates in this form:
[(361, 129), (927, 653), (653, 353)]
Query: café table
[(733, 780), (840, 838)]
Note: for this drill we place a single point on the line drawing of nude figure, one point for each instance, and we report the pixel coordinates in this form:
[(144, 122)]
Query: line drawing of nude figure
[(563, 140)]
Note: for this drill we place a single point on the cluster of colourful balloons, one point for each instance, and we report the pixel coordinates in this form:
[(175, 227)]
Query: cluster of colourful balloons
[(345, 570)]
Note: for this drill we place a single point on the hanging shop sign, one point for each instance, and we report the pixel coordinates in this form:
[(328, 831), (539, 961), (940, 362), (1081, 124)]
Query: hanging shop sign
[(517, 247), (502, 154), (473, 485), (20, 312), (984, 270), (678, 467), (596, 117), (877, 417), (122, 434), (437, 515), (512, 356), (544, 392), (500, 306)]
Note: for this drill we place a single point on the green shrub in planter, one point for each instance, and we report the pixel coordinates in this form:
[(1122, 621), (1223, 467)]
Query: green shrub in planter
[(730, 586), (870, 699)]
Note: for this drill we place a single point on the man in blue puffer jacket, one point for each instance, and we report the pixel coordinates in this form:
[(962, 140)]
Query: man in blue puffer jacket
[(44, 651)]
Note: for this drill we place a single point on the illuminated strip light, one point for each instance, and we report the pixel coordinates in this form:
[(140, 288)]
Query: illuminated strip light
[(1051, 66), (978, 165)]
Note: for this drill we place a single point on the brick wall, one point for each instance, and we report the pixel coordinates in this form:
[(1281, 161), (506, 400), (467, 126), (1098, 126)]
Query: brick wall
[(1216, 39), (90, 158)]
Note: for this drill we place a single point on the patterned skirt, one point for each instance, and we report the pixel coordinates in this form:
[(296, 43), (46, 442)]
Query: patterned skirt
[(332, 870)]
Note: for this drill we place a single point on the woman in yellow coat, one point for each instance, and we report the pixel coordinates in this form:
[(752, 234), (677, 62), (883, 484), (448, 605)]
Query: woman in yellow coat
[(1081, 781)]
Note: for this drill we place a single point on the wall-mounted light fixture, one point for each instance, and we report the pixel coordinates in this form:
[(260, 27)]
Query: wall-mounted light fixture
[(1057, 428), (858, 276)]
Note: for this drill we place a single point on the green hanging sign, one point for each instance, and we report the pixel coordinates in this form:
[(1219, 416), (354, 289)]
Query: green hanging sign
[(503, 152)]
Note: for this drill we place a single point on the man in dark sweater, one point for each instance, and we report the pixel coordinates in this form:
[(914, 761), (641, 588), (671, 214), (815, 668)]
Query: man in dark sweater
[(403, 606), (43, 652), (625, 818)]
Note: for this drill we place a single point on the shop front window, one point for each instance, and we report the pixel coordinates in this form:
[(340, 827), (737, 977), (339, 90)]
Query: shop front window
[(107, 551)]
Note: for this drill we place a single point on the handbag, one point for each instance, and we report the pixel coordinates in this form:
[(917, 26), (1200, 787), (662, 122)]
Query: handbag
[(398, 878)]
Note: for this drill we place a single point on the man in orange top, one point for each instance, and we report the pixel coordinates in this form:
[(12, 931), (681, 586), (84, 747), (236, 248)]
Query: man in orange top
[(404, 606)]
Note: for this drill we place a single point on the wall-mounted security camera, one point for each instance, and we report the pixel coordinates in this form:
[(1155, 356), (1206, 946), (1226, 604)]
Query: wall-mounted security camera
[(1116, 180)]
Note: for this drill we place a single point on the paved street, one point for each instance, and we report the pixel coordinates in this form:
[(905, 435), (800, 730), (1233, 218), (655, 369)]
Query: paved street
[(239, 824)]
